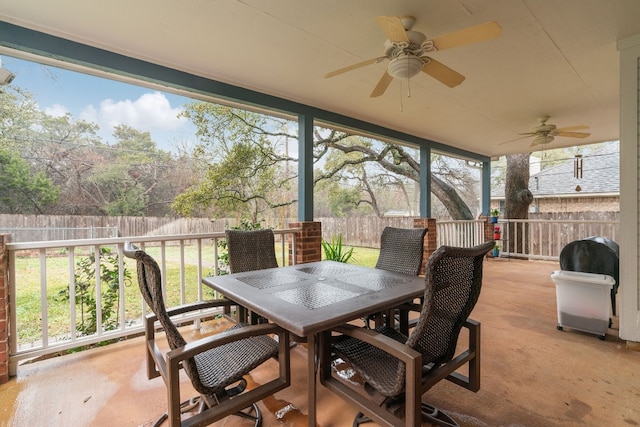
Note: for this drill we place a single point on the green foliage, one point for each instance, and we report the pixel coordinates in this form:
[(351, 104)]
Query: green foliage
[(244, 174), (68, 169), (129, 182), (85, 290), (334, 250), (495, 212), (123, 194), (23, 191), (18, 111)]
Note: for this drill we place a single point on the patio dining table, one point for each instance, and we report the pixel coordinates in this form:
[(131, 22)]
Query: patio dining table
[(307, 299)]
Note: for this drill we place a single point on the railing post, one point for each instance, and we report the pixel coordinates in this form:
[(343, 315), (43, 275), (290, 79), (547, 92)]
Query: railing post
[(308, 242), (4, 309)]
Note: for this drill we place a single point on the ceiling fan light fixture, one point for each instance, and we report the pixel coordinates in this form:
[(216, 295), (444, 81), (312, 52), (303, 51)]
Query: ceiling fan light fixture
[(542, 139), (405, 66)]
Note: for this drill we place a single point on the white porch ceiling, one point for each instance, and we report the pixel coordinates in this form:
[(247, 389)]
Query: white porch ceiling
[(556, 58)]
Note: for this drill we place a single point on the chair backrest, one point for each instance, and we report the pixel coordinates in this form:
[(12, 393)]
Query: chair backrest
[(150, 283), (453, 279), (251, 250), (401, 250)]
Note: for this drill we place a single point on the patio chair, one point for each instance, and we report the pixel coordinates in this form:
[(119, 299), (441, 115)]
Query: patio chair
[(397, 369), (250, 250), (401, 251), (216, 365)]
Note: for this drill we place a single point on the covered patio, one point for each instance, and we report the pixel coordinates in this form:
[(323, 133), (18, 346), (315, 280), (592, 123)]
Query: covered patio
[(568, 60), (532, 374)]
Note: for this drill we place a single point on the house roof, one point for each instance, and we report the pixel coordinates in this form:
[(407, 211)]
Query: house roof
[(600, 176)]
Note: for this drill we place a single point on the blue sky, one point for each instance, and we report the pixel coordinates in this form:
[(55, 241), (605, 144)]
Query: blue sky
[(105, 102)]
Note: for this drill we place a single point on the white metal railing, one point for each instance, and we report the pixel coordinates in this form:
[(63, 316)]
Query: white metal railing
[(526, 238), (184, 260), (464, 234)]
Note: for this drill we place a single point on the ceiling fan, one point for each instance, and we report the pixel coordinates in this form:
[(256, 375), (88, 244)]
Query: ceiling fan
[(545, 133), (407, 51)]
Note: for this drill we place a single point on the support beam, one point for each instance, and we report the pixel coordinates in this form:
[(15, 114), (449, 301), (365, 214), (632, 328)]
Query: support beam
[(485, 188), (305, 167), (425, 181)]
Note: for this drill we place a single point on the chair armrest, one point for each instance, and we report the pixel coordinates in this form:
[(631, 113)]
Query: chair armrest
[(201, 305), (185, 308), (383, 342), (204, 344), (411, 358), (155, 360), (470, 356)]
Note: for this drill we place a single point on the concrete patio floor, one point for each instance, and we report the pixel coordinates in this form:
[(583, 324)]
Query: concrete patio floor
[(532, 374)]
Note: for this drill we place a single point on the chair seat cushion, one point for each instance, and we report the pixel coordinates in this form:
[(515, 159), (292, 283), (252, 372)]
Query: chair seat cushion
[(381, 370), (228, 363)]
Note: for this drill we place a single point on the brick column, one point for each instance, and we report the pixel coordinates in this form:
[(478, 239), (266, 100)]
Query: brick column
[(430, 239), (4, 310), (308, 242)]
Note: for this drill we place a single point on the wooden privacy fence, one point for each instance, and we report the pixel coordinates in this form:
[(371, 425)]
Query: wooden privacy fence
[(546, 234), (35, 228), (360, 231)]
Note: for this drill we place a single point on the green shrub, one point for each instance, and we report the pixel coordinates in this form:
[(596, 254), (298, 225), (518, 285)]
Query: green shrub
[(85, 282), (334, 250)]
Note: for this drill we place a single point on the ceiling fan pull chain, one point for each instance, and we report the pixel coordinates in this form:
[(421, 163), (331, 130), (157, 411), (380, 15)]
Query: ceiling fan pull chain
[(408, 79)]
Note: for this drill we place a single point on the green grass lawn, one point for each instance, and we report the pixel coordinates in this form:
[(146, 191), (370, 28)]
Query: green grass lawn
[(28, 301)]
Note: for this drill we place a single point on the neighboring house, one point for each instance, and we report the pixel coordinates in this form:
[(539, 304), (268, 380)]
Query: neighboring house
[(556, 189)]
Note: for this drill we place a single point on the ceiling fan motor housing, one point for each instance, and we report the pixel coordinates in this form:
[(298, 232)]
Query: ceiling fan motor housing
[(544, 128)]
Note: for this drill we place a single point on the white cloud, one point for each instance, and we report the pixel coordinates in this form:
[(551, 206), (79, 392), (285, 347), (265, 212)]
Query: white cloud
[(151, 112), (56, 110)]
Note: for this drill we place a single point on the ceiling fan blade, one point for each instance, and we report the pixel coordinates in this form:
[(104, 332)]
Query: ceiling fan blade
[(442, 73), (574, 134), (354, 66), (382, 85), (569, 128), (393, 28), (478, 33)]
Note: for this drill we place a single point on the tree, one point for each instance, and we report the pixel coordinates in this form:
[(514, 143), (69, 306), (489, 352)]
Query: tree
[(518, 197), (243, 174), (21, 190), (395, 159), (18, 114), (131, 177), (363, 166), (139, 179)]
